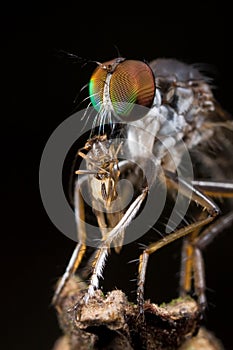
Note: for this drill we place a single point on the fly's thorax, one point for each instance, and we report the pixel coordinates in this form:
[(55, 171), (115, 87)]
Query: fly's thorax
[(183, 89), (157, 133), (159, 137)]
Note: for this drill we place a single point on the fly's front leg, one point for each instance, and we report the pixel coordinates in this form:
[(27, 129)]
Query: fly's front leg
[(199, 198), (113, 235), (80, 248)]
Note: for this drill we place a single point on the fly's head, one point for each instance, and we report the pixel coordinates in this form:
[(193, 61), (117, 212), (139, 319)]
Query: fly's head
[(118, 85)]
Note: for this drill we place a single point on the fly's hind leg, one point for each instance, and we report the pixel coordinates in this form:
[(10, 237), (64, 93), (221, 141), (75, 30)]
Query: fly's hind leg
[(80, 248), (212, 211)]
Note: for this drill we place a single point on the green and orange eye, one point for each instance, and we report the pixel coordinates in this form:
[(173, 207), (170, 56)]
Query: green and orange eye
[(118, 85)]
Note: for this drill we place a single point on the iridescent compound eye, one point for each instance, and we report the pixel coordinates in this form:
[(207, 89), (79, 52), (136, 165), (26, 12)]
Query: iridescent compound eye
[(121, 86)]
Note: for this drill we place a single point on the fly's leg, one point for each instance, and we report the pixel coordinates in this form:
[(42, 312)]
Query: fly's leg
[(113, 219), (74, 262), (199, 244), (186, 268), (80, 248), (102, 252), (143, 259), (215, 188), (199, 198), (191, 260), (104, 233)]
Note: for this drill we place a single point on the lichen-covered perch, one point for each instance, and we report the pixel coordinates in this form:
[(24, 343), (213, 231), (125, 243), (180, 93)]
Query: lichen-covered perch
[(112, 323)]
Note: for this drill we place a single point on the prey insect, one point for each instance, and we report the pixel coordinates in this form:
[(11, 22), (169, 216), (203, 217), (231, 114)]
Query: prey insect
[(164, 110)]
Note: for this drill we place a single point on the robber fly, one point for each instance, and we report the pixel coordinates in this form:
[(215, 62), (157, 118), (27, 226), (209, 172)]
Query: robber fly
[(179, 113)]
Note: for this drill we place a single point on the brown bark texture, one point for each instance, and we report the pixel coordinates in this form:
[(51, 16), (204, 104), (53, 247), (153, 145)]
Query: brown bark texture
[(110, 322)]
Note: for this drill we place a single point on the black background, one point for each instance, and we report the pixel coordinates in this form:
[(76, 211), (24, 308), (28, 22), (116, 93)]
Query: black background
[(38, 92)]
